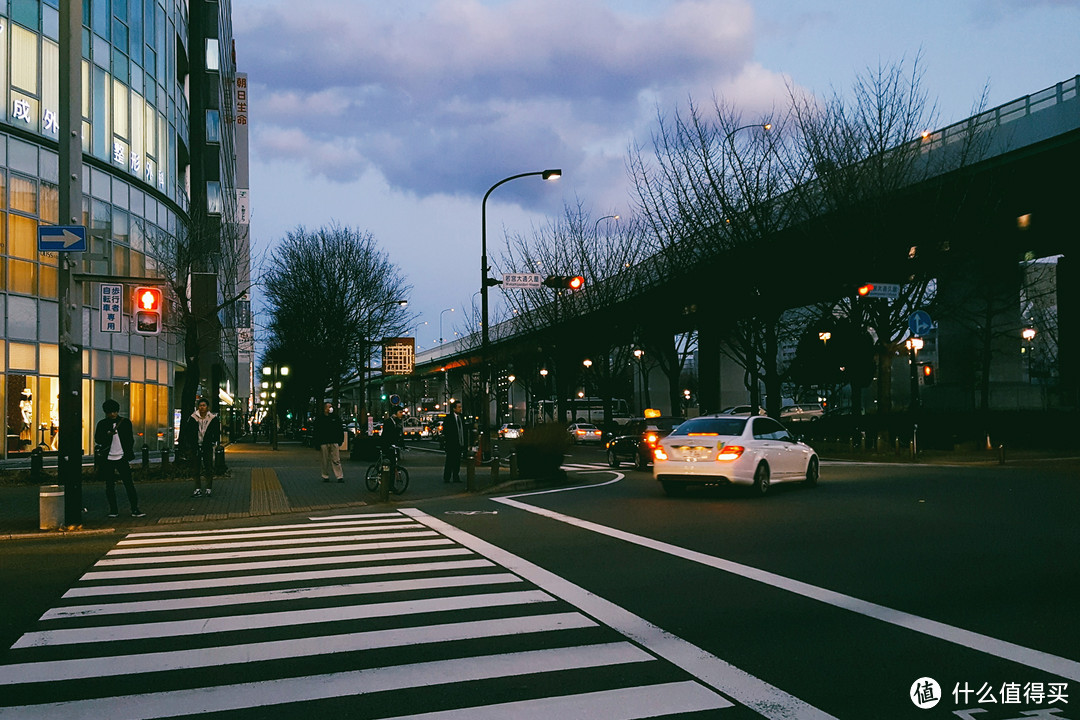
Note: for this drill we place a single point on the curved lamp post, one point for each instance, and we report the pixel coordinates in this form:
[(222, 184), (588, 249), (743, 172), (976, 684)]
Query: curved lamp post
[(606, 217), (441, 313), (485, 282)]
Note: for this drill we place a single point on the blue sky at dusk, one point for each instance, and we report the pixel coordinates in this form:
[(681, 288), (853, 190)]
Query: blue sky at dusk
[(396, 117)]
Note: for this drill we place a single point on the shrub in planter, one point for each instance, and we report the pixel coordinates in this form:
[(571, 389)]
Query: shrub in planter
[(540, 452)]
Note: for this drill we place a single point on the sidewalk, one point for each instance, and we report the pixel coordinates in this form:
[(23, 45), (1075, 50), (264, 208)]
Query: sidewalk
[(260, 482)]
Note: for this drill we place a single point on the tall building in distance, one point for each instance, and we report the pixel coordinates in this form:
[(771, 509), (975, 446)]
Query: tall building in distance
[(159, 201)]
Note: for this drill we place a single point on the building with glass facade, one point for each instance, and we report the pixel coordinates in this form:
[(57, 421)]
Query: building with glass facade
[(159, 93)]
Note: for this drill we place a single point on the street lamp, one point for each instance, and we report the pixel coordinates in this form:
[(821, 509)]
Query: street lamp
[(1028, 334), (728, 138), (272, 375), (606, 217), (485, 282), (440, 323), (510, 394)]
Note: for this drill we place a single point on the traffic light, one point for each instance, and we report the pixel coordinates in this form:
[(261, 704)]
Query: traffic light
[(927, 374), (148, 310), (865, 290), (569, 282)]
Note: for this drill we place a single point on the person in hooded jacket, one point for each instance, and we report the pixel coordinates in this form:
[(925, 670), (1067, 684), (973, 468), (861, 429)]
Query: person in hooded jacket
[(199, 435)]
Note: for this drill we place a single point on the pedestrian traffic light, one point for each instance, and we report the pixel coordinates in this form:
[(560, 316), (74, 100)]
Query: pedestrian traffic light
[(147, 310), (928, 374), (568, 282)]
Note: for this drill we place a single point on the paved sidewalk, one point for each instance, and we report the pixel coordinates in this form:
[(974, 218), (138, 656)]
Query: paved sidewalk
[(260, 482)]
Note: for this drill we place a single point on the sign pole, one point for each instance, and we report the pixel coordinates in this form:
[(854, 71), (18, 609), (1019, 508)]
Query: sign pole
[(70, 449)]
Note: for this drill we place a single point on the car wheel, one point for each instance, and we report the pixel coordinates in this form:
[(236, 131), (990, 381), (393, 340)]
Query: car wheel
[(640, 463), (812, 472), (761, 480), (673, 489), (612, 459)]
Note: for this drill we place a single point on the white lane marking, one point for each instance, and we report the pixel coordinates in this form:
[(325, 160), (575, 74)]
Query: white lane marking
[(271, 596), (757, 694), (297, 531), (271, 564), (274, 578), (50, 671), (258, 621), (273, 552), (357, 519), (620, 704), (1062, 667), (352, 516), (223, 698), (269, 543)]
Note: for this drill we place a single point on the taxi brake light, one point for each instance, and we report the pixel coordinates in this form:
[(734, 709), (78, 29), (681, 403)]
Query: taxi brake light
[(651, 439), (659, 454)]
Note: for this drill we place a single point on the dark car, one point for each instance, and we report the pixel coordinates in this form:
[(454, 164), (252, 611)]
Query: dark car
[(638, 438)]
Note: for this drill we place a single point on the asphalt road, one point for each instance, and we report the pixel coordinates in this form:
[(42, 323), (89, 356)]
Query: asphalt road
[(604, 597)]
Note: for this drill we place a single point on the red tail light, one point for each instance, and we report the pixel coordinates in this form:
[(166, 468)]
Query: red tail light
[(659, 454), (651, 439), (730, 452)]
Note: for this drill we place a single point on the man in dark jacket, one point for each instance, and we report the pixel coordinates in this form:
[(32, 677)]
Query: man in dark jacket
[(199, 435), (114, 449), (454, 436), (328, 434)]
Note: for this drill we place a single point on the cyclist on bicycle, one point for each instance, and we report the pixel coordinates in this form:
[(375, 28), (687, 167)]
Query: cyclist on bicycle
[(393, 435)]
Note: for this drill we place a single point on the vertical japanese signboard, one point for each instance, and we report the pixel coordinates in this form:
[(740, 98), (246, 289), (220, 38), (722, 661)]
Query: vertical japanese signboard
[(398, 356), (112, 307)]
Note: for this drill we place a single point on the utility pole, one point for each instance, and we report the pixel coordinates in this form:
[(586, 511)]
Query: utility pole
[(70, 450)]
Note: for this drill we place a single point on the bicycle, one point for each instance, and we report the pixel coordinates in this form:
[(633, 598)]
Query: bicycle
[(375, 471)]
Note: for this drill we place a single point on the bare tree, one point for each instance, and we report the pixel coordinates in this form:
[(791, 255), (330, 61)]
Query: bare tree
[(333, 294), (206, 264)]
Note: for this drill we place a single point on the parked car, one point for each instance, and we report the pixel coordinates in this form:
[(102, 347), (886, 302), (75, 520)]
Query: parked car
[(585, 433), (807, 412), (730, 450), (741, 410), (639, 439), (511, 431)]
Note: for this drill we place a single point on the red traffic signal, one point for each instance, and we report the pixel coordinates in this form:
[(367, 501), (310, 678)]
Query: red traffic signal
[(147, 310), (866, 289), (928, 374), (568, 282)]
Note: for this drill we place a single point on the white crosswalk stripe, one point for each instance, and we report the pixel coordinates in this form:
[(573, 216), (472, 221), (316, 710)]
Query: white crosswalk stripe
[(376, 609), (584, 467)]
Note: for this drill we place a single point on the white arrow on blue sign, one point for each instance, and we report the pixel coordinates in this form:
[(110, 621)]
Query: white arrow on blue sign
[(61, 238), (919, 323)]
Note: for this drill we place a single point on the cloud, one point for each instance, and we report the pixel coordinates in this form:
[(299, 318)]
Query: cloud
[(441, 96)]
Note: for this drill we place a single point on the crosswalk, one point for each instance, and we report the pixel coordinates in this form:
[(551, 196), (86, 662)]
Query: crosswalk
[(373, 615)]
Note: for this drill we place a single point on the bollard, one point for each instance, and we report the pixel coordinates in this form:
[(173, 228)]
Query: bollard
[(513, 466), (145, 461), (51, 507), (37, 465), (495, 465), (470, 474), (164, 459), (384, 482), (1001, 454), (219, 460)]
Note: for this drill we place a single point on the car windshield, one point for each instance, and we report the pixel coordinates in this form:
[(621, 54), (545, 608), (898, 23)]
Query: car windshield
[(711, 426)]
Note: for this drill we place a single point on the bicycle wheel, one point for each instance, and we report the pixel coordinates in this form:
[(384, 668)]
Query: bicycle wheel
[(401, 481), (371, 477)]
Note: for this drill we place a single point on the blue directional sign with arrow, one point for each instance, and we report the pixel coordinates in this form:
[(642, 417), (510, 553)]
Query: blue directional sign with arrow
[(61, 238), (920, 323)]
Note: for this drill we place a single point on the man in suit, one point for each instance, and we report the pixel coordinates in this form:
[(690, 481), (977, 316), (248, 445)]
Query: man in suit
[(454, 437)]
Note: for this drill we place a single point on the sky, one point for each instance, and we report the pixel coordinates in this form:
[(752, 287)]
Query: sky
[(395, 118)]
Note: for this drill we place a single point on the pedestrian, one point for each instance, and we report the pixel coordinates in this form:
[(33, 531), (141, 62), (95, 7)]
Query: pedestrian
[(454, 440), (328, 434), (393, 436), (199, 436), (114, 449)]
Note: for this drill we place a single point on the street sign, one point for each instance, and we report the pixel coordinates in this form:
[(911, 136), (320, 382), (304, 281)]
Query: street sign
[(112, 307), (880, 290), (61, 238), (522, 280), (919, 323)]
